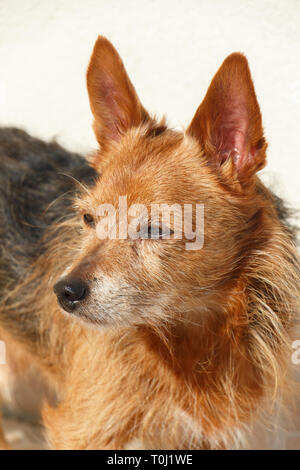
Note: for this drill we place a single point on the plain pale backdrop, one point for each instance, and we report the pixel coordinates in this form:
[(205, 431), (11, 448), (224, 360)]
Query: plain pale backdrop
[(171, 49)]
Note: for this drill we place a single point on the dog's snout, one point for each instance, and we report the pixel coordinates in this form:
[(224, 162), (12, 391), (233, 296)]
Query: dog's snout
[(70, 293)]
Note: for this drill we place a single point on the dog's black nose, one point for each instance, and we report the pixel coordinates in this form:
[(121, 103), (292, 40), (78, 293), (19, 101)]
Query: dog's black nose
[(70, 292)]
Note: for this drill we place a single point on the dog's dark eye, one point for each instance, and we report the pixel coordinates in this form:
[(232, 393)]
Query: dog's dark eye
[(89, 220), (157, 232)]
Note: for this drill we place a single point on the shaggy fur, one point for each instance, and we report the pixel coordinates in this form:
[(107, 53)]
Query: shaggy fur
[(171, 348)]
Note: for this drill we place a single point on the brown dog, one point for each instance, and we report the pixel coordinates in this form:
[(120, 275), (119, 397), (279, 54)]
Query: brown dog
[(188, 347)]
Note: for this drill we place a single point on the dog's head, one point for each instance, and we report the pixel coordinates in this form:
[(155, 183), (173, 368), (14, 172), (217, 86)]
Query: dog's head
[(144, 264)]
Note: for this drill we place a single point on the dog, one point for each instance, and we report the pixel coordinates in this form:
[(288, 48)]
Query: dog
[(146, 342)]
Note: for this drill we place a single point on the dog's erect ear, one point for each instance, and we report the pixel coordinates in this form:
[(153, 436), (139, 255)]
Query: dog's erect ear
[(113, 99), (228, 121)]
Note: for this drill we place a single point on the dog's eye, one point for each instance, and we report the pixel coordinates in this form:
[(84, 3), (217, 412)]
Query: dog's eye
[(157, 232), (89, 220)]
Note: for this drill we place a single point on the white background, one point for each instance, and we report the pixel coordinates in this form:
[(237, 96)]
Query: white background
[(171, 49)]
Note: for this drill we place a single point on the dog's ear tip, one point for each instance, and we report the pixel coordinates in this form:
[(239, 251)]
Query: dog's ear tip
[(101, 45), (237, 61), (101, 39), (237, 57)]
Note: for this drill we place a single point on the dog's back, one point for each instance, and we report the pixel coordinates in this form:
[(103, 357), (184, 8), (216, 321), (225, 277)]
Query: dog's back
[(37, 183)]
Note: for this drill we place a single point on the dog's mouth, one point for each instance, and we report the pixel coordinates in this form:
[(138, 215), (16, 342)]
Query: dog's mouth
[(68, 306)]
